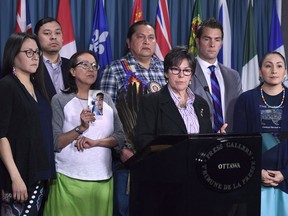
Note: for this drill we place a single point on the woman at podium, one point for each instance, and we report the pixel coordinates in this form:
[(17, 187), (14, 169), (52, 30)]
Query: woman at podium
[(265, 109), (175, 109)]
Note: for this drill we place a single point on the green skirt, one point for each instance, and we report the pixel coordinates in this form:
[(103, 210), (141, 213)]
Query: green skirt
[(73, 197)]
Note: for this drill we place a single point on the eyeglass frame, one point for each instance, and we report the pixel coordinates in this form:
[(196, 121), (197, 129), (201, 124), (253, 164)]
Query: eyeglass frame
[(38, 53), (86, 67), (173, 70)]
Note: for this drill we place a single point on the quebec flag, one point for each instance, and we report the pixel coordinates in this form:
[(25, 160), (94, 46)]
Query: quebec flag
[(100, 40)]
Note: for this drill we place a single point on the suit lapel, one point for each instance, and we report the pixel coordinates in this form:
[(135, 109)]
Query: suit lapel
[(167, 106), (227, 81), (202, 84), (200, 74), (201, 112), (48, 83), (65, 72)]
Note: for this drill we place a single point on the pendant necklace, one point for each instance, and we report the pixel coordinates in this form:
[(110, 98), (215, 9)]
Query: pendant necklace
[(273, 107)]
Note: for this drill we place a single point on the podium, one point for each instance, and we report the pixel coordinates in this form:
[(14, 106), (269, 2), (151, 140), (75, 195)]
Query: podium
[(201, 175)]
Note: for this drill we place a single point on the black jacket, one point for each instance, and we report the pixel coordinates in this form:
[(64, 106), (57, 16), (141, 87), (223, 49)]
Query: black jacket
[(48, 82), (159, 115)]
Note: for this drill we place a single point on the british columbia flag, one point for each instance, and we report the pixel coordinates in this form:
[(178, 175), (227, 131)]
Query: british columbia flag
[(23, 23), (162, 27)]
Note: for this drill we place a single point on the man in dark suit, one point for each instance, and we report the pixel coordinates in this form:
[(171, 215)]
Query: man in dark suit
[(56, 71), (209, 40)]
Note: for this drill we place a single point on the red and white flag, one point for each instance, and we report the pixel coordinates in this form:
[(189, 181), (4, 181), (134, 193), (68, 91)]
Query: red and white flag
[(137, 12), (23, 23), (65, 19), (162, 28)]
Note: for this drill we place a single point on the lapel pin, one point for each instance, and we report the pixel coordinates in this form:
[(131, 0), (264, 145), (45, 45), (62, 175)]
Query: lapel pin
[(201, 112)]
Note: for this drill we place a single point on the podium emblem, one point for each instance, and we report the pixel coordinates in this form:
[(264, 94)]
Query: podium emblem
[(226, 165)]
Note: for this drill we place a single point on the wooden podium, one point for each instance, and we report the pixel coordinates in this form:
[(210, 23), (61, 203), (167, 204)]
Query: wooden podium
[(201, 175)]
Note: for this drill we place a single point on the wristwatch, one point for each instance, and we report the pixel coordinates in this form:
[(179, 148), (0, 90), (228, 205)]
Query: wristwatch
[(77, 129)]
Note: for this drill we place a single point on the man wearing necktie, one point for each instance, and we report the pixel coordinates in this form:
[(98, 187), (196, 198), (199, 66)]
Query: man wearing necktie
[(219, 85), (216, 99)]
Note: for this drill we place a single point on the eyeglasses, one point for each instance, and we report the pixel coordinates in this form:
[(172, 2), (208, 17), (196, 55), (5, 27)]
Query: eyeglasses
[(176, 71), (88, 66), (30, 53)]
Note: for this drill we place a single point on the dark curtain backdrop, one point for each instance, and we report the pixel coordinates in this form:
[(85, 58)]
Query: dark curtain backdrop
[(118, 14)]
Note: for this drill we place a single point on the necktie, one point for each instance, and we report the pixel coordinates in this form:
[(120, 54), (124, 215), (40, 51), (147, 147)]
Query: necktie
[(216, 96)]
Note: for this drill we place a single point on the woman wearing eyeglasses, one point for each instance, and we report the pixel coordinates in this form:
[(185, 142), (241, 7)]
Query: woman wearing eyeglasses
[(84, 184), (175, 109), (26, 143)]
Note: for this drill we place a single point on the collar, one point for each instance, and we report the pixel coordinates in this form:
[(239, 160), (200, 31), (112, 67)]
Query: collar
[(204, 64), (132, 58), (59, 60), (176, 99)]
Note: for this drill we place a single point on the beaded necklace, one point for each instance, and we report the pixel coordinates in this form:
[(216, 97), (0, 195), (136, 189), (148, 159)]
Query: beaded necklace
[(274, 107)]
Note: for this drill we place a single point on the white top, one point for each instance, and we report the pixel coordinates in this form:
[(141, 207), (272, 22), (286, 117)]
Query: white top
[(91, 164)]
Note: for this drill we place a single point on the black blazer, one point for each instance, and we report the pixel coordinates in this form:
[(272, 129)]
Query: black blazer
[(159, 115), (20, 124), (48, 82)]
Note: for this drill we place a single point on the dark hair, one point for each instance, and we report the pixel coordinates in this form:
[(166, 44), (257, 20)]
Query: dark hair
[(176, 56), (269, 53), (99, 94), (44, 21), (132, 29), (11, 50), (209, 23), (72, 63)]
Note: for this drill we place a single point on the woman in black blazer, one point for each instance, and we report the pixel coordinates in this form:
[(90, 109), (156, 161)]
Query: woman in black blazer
[(175, 109)]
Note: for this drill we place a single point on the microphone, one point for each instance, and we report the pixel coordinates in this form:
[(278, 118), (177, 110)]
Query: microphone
[(206, 89)]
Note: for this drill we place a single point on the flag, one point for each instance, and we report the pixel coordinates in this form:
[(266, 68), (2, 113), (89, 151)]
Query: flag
[(276, 40), (100, 40), (224, 55), (162, 29), (195, 22), (137, 12), (65, 19), (250, 70), (23, 23)]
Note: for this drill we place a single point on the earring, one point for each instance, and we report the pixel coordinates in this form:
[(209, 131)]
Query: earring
[(261, 79), (14, 71)]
